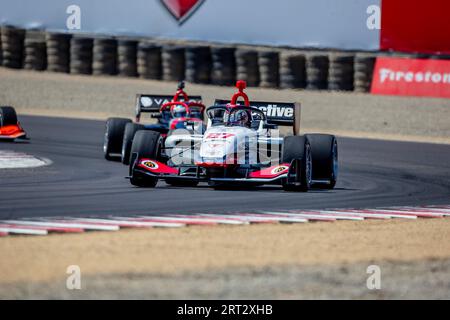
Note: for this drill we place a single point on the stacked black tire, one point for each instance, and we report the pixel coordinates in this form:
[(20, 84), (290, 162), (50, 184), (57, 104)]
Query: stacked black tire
[(1, 49), (317, 71), (223, 71), (364, 65), (12, 40), (292, 70), (81, 55), (269, 66), (198, 64), (104, 56), (58, 52), (173, 63), (127, 58), (340, 72), (247, 67), (35, 51), (149, 61)]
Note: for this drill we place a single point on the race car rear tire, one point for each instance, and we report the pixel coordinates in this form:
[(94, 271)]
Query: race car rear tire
[(112, 143), (8, 116), (324, 151), (146, 144), (128, 135), (298, 148)]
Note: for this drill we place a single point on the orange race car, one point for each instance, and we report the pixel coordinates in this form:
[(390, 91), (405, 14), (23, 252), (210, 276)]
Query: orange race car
[(10, 128)]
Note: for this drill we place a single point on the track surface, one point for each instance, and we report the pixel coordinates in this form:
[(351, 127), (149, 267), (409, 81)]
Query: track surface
[(80, 182)]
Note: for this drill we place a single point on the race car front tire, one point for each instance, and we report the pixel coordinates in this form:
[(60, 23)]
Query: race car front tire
[(8, 116), (112, 143), (297, 151), (146, 144), (324, 151), (128, 135)]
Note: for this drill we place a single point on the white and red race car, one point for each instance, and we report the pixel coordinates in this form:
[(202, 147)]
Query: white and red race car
[(240, 146)]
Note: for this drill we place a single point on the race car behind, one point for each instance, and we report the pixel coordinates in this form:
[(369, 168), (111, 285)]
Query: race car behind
[(10, 128), (119, 132)]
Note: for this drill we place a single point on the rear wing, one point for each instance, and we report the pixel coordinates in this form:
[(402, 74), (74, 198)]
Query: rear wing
[(278, 113), (150, 103)]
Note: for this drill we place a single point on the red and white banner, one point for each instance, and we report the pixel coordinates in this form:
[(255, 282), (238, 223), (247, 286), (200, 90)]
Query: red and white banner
[(388, 25), (344, 24), (411, 77)]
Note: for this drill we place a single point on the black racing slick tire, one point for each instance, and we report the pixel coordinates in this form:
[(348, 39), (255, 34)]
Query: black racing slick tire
[(146, 144), (324, 149), (8, 116), (297, 152), (128, 135), (112, 143)]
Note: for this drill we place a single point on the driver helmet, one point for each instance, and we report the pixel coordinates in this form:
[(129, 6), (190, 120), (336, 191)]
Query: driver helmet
[(179, 111), (240, 118)]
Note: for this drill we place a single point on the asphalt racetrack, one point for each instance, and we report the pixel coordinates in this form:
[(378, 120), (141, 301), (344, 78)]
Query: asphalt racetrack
[(80, 182)]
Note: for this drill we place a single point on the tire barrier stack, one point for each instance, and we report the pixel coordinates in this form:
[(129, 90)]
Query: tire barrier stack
[(317, 71), (35, 51), (81, 55), (292, 70), (173, 63), (247, 67), (223, 71), (363, 72), (127, 58), (104, 58), (269, 66), (340, 72), (12, 40), (1, 49), (149, 61), (198, 64), (58, 52)]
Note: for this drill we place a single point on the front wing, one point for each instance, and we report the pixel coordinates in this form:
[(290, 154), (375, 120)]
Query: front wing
[(153, 168), (12, 132)]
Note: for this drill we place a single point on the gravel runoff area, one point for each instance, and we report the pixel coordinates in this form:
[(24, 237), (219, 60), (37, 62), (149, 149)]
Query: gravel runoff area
[(319, 260), (341, 113), (399, 280)]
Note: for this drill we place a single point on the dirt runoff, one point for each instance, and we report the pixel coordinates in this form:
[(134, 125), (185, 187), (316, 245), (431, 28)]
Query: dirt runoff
[(428, 279), (344, 114), (111, 259)]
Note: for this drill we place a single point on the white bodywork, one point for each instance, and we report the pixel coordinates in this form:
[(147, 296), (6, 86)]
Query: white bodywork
[(224, 144)]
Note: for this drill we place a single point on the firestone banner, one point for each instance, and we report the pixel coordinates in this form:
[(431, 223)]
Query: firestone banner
[(412, 77), (343, 24)]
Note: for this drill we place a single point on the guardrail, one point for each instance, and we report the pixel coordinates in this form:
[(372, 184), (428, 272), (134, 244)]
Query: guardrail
[(197, 63)]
